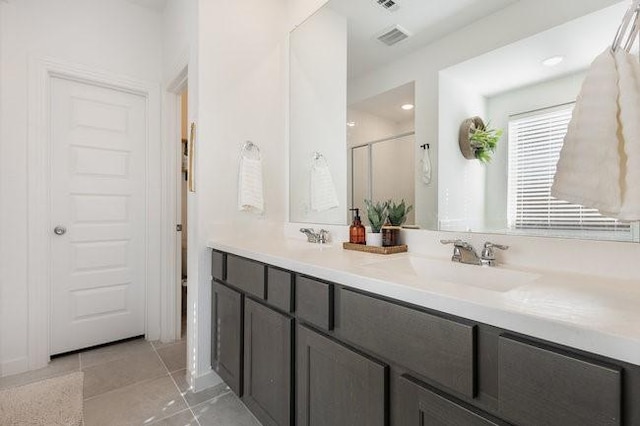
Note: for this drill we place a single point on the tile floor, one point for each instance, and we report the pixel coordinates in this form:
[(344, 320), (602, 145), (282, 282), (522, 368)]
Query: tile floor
[(142, 383)]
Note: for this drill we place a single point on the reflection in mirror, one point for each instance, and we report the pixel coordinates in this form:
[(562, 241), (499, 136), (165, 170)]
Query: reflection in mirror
[(381, 138), (532, 101), (516, 64)]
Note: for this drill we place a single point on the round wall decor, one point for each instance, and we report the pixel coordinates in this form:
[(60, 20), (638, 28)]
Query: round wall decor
[(466, 128)]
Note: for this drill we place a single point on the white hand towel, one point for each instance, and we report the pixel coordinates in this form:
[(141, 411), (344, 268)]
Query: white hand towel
[(250, 192), (322, 191), (588, 171), (629, 116), (425, 172)]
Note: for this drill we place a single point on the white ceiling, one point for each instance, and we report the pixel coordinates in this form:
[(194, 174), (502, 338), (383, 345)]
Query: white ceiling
[(426, 20), (155, 5), (387, 105), (520, 64)]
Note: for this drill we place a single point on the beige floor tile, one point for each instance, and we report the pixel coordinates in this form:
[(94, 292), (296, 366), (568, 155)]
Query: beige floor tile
[(224, 410), (192, 398), (183, 418), (158, 344), (112, 375), (114, 352), (57, 367), (138, 404), (174, 356)]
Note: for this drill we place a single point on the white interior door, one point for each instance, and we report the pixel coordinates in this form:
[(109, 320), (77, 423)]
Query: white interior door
[(98, 206)]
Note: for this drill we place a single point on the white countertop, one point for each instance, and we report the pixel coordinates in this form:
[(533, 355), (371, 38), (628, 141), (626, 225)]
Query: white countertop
[(595, 314)]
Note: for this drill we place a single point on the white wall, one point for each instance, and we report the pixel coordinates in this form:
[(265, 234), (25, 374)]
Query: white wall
[(113, 36), (461, 193), (241, 57), (542, 95), (318, 112)]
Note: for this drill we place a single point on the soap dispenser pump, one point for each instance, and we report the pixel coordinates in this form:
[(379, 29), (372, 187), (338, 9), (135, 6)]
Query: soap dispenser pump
[(357, 233)]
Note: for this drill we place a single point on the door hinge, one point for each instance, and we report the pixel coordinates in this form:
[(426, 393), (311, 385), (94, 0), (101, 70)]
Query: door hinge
[(179, 227)]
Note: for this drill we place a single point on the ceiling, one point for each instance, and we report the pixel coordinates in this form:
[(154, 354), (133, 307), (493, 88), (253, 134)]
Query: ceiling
[(520, 64), (426, 21), (155, 5), (387, 105)]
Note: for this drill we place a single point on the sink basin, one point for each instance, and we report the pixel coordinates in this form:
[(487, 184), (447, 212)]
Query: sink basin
[(489, 278)]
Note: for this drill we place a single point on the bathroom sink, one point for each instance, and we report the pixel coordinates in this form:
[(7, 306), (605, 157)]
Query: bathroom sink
[(494, 278)]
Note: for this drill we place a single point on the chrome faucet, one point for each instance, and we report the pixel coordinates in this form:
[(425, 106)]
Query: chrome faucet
[(321, 237), (464, 252), (488, 256)]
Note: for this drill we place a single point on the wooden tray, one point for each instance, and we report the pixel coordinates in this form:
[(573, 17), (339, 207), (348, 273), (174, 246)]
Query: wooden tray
[(375, 249)]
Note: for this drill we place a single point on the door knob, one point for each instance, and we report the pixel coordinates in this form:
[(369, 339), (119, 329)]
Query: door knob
[(59, 230)]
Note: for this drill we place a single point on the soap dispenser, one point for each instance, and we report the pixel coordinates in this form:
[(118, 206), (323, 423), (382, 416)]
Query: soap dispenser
[(357, 233)]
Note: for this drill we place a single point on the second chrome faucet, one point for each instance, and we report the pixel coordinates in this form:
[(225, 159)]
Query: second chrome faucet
[(464, 252)]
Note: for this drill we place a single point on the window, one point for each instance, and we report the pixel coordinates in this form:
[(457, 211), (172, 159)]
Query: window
[(535, 141)]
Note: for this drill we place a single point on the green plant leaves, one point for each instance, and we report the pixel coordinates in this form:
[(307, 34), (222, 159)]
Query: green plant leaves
[(376, 213), (397, 213), (484, 141)]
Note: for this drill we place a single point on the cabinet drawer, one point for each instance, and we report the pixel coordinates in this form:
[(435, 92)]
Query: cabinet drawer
[(246, 274), (314, 302), (280, 289), (217, 265), (436, 348), (418, 406), (539, 385)]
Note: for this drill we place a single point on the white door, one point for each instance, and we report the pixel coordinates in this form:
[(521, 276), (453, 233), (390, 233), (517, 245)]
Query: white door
[(98, 202)]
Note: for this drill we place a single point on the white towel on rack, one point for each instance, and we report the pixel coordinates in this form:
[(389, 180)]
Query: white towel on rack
[(629, 117), (425, 170), (322, 191), (588, 172), (250, 188)]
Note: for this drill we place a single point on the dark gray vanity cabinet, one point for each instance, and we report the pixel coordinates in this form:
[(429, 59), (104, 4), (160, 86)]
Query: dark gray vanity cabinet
[(540, 385), (439, 349), (226, 335), (337, 386), (267, 364), (417, 405), (302, 351)]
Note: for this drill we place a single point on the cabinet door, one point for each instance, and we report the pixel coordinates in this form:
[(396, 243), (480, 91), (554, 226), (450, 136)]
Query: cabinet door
[(337, 386), (267, 364), (226, 339), (415, 405)]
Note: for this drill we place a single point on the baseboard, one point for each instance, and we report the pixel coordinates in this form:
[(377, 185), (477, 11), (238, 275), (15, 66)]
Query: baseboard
[(14, 366), (206, 380)]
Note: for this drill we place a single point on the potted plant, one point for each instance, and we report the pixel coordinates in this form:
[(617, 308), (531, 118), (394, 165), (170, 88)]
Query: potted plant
[(377, 214), (478, 140), (396, 216), (397, 213)]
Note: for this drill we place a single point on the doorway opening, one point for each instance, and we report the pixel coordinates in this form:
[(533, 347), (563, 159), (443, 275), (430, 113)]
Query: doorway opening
[(182, 209)]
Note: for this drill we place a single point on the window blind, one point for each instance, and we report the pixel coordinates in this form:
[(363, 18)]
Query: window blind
[(535, 141)]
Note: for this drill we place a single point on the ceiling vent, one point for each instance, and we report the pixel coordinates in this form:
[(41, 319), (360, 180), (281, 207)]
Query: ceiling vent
[(393, 35), (390, 5)]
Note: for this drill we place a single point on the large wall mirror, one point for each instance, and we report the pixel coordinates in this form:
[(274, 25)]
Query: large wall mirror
[(380, 88)]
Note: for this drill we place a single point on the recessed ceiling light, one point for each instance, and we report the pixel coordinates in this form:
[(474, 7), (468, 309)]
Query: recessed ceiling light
[(407, 107), (552, 61), (351, 123)]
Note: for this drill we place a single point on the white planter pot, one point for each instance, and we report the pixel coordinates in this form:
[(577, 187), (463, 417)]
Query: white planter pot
[(374, 239)]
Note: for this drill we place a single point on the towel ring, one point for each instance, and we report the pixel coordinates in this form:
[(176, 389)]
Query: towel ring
[(630, 16), (250, 150), (425, 146)]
